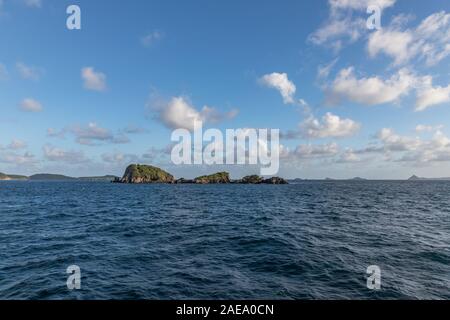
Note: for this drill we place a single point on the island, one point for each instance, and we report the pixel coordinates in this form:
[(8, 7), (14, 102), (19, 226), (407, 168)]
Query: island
[(54, 177), (416, 178), (138, 173), (8, 177), (147, 174)]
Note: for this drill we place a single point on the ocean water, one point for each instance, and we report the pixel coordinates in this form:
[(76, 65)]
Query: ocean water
[(312, 240)]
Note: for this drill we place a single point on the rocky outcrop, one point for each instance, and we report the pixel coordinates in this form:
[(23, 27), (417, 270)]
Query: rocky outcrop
[(220, 177), (254, 179), (184, 181), (138, 173), (275, 180)]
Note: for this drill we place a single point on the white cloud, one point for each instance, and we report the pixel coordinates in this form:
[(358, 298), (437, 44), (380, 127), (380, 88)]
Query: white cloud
[(93, 80), (15, 158), (414, 149), (360, 4), (428, 96), (315, 151), (323, 71), (179, 113), (430, 41), (92, 133), (330, 126), (28, 72), (17, 144), (369, 91), (33, 3), (335, 29), (348, 156), (341, 25), (394, 142), (55, 154), (31, 105), (149, 39), (280, 82), (119, 158), (53, 133), (427, 128), (395, 44)]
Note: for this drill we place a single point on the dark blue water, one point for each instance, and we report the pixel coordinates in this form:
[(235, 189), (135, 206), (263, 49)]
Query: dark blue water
[(312, 240)]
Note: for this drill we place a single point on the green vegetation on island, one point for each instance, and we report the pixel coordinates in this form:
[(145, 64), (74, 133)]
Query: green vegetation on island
[(138, 173), (141, 174), (49, 177), (12, 177), (254, 179), (219, 177)]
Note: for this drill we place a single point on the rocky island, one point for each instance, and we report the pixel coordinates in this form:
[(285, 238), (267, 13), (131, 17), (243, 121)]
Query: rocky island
[(141, 174), (137, 173)]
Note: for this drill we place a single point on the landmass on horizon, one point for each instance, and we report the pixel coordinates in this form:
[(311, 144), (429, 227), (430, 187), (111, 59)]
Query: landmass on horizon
[(139, 173)]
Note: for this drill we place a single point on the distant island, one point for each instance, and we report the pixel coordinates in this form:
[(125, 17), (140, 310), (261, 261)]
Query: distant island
[(53, 177), (140, 174), (416, 178), (12, 177)]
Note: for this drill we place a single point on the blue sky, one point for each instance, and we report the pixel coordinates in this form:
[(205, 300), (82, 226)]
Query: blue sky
[(371, 103)]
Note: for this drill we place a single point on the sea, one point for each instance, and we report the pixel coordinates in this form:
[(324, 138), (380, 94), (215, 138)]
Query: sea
[(309, 240)]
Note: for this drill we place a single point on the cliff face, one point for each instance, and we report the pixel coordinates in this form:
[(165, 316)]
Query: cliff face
[(220, 177), (137, 173)]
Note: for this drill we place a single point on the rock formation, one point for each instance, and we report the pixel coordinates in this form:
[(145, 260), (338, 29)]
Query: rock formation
[(138, 173)]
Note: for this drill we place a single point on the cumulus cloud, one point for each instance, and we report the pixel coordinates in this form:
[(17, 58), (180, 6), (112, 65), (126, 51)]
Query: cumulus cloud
[(92, 134), (119, 158), (335, 29), (369, 90), (282, 84), (29, 72), (429, 41), (17, 144), (331, 126), (415, 149), (428, 96), (55, 154), (342, 26), (306, 151), (349, 156), (30, 105), (93, 80), (15, 158), (180, 113)]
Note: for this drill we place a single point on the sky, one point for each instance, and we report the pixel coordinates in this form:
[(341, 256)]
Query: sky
[(348, 100)]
